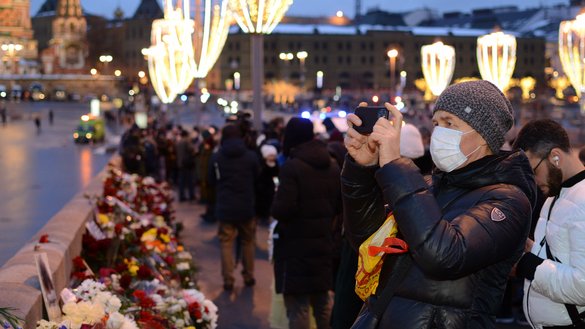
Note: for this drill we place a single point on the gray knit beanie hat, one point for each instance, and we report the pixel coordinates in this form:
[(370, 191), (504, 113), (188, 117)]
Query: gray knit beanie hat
[(482, 106)]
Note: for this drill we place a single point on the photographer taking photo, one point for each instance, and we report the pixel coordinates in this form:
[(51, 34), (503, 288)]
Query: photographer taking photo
[(465, 228)]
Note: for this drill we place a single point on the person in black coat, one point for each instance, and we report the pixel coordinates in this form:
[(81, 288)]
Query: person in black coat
[(265, 187), (307, 200), (465, 228), (233, 170)]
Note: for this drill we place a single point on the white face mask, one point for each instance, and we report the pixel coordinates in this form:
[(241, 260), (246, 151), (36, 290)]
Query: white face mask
[(446, 149)]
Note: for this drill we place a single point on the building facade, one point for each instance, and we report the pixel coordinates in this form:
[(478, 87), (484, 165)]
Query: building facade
[(17, 44), (357, 59)]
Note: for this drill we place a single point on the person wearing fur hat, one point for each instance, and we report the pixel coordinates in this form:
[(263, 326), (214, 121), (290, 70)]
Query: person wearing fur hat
[(306, 202), (465, 228)]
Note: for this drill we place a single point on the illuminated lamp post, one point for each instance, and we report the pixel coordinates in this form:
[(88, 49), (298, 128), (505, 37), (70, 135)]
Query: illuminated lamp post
[(496, 58), (106, 60), (11, 50), (392, 54), (438, 65), (170, 56), (302, 56), (572, 56), (258, 17), (286, 57)]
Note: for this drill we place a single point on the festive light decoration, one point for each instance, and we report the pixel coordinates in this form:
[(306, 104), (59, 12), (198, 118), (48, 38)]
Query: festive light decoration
[(423, 86), (559, 83), (438, 64), (212, 21), (496, 58), (170, 56), (572, 51), (527, 84), (259, 16)]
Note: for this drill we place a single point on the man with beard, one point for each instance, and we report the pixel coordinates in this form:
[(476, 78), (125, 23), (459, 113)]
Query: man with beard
[(554, 267)]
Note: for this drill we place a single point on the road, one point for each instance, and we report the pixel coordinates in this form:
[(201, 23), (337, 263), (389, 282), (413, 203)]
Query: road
[(41, 171)]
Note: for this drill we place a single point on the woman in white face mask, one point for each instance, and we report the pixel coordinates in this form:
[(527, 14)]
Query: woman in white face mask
[(465, 227)]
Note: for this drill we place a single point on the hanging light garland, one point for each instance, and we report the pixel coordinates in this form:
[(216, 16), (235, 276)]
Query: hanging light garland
[(438, 65), (170, 56), (259, 16), (496, 58), (212, 22), (572, 51)]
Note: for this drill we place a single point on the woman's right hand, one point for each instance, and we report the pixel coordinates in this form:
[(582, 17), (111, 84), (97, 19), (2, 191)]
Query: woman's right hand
[(363, 150)]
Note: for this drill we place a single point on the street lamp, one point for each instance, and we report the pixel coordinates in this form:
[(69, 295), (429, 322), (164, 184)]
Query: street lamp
[(237, 80), (496, 58), (286, 57), (438, 64), (302, 56), (105, 60), (319, 83), (258, 17), (11, 50), (392, 54)]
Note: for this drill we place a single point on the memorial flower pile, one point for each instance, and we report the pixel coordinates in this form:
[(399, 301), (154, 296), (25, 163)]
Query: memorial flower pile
[(133, 271)]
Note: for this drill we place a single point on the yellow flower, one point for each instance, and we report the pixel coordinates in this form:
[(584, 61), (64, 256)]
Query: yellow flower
[(103, 219), (165, 237), (133, 269), (149, 235)]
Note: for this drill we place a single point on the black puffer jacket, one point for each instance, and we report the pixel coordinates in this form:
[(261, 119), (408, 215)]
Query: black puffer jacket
[(233, 170), (305, 203), (462, 255)]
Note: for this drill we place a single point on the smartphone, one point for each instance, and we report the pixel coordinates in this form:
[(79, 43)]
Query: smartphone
[(369, 115)]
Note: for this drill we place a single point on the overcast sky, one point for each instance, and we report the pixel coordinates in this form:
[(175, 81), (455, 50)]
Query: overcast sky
[(329, 7)]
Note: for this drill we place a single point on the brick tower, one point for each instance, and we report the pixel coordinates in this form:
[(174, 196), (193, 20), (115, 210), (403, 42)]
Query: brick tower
[(68, 49)]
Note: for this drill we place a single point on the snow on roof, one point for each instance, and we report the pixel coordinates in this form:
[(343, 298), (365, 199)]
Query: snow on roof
[(362, 29)]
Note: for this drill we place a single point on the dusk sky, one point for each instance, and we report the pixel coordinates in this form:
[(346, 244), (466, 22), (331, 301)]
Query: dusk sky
[(328, 7)]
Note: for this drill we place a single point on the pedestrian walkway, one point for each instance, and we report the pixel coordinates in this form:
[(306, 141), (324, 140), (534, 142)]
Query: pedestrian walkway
[(244, 307)]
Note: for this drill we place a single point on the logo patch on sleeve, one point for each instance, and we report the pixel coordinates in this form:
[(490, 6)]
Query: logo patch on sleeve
[(497, 215)]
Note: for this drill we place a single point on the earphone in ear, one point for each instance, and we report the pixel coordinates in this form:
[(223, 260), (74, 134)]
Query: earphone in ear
[(556, 160)]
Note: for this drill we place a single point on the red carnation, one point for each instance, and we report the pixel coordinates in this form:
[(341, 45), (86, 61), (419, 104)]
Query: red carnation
[(125, 281), (144, 273), (118, 228)]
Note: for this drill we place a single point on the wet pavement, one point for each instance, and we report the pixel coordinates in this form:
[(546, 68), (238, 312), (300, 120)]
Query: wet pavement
[(244, 307), (40, 171)]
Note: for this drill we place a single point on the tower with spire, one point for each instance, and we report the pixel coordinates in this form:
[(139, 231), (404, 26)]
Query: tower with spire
[(68, 48)]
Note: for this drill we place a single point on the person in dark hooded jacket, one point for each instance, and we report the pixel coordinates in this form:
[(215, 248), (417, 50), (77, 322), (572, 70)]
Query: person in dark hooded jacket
[(233, 171), (465, 229), (307, 200)]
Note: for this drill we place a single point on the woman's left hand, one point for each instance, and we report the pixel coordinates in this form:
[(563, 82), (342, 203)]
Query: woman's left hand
[(387, 135)]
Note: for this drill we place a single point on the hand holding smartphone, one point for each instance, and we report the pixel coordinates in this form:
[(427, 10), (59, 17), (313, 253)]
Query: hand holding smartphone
[(369, 115)]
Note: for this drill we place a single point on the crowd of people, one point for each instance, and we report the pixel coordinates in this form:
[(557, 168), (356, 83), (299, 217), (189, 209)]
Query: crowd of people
[(471, 228)]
